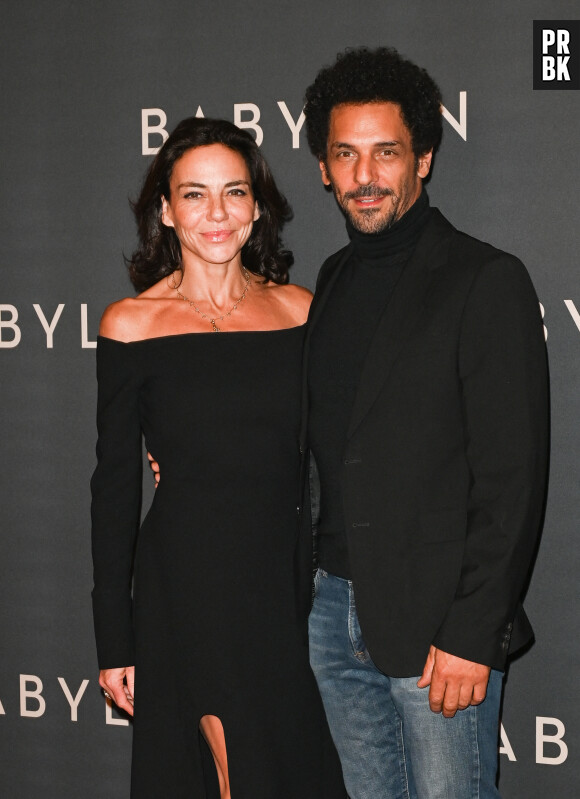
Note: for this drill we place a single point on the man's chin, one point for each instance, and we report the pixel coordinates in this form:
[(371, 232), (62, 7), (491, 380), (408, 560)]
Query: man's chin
[(370, 220)]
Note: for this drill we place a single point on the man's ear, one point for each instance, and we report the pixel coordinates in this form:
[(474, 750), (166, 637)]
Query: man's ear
[(424, 164), (324, 173), (166, 213)]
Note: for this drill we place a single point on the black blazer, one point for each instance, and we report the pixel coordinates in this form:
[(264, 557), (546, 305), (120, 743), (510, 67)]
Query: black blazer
[(445, 462)]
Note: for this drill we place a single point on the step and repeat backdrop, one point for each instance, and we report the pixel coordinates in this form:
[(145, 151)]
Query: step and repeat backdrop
[(88, 94)]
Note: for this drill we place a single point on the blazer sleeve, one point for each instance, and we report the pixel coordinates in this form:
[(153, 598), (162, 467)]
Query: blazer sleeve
[(503, 370), (116, 501)]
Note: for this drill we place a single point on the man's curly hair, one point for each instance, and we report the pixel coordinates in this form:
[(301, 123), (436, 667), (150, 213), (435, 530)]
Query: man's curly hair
[(362, 75)]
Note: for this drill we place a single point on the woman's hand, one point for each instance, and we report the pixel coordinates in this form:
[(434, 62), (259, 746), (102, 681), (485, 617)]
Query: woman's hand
[(120, 685), (154, 468)]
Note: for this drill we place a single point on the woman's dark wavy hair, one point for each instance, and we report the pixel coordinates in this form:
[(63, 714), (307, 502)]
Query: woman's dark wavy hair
[(361, 76), (159, 251)]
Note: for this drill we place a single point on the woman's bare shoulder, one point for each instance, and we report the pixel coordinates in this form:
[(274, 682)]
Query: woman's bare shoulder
[(298, 294), (122, 320), (295, 300), (129, 319)]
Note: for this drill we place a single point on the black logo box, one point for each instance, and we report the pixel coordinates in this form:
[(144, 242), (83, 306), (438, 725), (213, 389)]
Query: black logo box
[(556, 54)]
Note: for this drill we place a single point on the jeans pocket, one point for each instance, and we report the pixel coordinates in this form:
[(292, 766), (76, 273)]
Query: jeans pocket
[(318, 576), (316, 581)]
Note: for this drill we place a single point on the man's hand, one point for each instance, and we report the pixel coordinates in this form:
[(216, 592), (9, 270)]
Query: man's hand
[(455, 683), (120, 685), (154, 468)]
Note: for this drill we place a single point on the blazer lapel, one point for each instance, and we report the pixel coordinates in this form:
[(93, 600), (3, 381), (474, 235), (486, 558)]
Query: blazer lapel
[(323, 292), (320, 297), (401, 315)]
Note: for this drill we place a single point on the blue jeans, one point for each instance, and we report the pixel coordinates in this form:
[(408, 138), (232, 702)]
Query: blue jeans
[(391, 745)]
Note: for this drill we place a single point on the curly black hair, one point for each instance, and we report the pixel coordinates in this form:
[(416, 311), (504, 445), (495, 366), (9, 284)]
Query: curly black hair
[(361, 75), (159, 250)]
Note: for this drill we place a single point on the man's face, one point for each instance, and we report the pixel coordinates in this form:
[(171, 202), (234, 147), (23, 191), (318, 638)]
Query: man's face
[(370, 164)]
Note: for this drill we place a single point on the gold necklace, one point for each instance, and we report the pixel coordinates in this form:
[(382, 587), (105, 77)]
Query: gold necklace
[(212, 320)]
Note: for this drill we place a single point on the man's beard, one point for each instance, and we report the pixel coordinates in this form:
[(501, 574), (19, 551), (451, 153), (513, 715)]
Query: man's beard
[(369, 220)]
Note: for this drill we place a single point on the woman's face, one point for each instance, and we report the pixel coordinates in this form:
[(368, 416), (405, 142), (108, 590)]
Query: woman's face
[(211, 205)]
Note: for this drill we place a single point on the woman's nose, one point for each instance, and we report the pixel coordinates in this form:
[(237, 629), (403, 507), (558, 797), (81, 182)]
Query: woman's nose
[(217, 211)]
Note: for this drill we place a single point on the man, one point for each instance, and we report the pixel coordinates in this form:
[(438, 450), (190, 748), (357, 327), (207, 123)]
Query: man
[(426, 413)]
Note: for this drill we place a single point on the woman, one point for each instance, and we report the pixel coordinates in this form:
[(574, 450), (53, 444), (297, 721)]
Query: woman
[(210, 639)]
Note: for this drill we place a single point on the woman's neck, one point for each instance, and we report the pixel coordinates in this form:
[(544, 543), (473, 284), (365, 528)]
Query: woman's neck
[(216, 284)]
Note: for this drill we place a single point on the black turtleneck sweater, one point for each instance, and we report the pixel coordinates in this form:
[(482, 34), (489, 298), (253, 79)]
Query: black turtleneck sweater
[(338, 347)]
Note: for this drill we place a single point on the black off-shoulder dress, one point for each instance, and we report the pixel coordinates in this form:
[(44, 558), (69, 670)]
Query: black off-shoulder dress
[(211, 623)]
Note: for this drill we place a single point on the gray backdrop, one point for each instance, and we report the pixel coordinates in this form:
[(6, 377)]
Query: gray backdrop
[(75, 81)]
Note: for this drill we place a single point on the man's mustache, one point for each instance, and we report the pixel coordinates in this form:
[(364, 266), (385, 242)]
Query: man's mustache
[(368, 191)]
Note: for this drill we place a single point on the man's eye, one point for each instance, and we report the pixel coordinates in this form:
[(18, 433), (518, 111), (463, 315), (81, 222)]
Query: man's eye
[(344, 154), (238, 192), (192, 195)]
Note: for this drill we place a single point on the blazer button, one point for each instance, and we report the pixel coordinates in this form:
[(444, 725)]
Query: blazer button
[(361, 524)]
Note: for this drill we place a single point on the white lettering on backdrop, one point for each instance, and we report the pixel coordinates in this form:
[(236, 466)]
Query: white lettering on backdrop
[(154, 123)]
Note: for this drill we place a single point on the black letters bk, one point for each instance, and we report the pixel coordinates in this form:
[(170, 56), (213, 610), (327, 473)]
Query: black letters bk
[(556, 54)]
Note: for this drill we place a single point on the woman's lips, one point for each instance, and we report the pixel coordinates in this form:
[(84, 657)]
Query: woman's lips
[(217, 235)]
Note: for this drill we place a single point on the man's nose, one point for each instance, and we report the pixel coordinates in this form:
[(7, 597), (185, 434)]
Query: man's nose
[(365, 171)]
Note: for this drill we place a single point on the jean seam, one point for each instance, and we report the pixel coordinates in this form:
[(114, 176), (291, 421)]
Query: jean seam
[(477, 769), (402, 759), (359, 655)]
